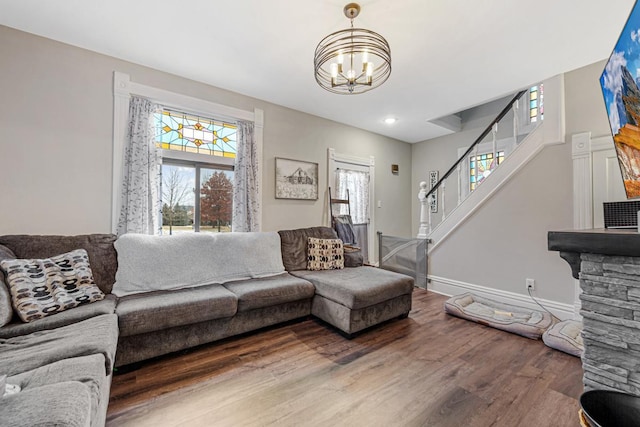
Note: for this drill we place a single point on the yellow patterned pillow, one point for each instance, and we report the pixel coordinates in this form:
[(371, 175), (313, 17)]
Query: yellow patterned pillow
[(42, 287), (325, 254)]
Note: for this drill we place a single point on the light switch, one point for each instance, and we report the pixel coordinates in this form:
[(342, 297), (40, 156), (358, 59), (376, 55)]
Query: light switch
[(379, 203)]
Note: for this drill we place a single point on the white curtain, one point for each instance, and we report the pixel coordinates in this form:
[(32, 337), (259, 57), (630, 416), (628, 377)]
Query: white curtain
[(140, 195), (357, 183), (246, 203)]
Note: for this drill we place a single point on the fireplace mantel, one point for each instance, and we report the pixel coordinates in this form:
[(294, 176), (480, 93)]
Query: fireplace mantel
[(603, 241)]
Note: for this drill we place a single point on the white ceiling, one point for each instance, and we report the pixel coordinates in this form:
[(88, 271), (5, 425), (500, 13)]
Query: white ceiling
[(448, 55)]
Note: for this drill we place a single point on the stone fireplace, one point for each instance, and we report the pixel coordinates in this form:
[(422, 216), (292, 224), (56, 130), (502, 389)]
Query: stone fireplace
[(607, 262)]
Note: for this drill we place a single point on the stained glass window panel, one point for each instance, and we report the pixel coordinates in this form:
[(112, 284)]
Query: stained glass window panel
[(536, 103), (485, 164), (541, 102), (195, 134)]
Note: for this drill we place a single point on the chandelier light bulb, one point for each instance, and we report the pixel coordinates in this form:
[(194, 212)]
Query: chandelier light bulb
[(370, 69), (334, 70)]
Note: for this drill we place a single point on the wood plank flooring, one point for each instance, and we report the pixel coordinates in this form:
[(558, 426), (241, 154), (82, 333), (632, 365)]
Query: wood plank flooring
[(428, 370)]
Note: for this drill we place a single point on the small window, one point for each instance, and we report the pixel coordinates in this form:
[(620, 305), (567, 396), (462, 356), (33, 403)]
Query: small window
[(536, 103), (194, 134), (481, 167)]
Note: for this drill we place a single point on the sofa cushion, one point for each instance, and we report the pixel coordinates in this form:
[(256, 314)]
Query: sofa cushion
[(325, 254), (6, 310), (102, 254), (88, 370), (44, 287), (155, 263), (62, 404), (294, 245), (82, 312), (157, 310), (358, 287), (98, 335), (270, 291)]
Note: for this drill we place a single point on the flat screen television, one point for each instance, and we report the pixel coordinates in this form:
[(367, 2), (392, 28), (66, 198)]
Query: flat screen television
[(620, 83)]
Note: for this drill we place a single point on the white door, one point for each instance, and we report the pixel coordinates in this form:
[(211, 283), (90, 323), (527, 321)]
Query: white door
[(353, 184), (357, 175)]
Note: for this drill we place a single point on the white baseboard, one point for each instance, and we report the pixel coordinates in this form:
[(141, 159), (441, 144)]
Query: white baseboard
[(449, 287)]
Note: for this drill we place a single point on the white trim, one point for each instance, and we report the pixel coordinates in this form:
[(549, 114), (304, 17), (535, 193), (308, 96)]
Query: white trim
[(451, 287), (367, 162), (121, 99), (582, 184), (602, 143), (123, 88), (186, 156)]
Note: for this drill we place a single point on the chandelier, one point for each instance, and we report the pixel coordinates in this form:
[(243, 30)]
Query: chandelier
[(354, 60)]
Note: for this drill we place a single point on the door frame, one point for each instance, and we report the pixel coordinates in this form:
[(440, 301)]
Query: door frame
[(367, 162)]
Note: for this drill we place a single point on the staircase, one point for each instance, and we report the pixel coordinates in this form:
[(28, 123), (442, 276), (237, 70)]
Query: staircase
[(454, 269), (520, 142)]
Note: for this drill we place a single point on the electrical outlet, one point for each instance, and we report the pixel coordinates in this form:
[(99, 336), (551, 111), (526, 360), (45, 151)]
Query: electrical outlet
[(530, 284)]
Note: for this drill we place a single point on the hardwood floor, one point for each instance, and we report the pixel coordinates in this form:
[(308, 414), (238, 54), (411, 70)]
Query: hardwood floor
[(428, 370)]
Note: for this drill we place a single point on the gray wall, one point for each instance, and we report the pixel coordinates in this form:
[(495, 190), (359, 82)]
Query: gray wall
[(585, 109), (56, 145), (505, 241)]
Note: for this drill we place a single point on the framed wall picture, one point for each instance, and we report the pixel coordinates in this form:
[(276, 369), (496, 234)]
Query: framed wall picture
[(296, 179)]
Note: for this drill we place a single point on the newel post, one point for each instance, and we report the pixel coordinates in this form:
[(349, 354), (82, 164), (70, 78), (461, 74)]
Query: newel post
[(425, 211)]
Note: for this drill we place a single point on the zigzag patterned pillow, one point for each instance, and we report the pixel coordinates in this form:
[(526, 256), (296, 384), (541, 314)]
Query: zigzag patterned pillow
[(42, 287), (325, 254)]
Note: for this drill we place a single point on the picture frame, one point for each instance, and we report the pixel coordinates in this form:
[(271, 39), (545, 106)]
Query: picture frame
[(296, 179)]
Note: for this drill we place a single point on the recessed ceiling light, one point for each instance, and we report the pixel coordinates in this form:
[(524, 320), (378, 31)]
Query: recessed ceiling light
[(390, 120)]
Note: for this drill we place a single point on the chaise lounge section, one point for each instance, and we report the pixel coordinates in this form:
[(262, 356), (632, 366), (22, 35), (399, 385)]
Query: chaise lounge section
[(351, 299)]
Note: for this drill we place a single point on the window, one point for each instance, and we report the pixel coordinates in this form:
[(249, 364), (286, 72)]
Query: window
[(536, 103), (193, 134), (481, 167), (197, 172)]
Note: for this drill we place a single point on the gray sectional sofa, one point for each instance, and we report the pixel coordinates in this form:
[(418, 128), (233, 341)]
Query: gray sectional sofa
[(66, 360)]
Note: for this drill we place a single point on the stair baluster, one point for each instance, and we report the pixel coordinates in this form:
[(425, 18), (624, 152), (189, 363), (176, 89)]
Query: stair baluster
[(515, 120), (459, 184), (444, 190), (494, 162)]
